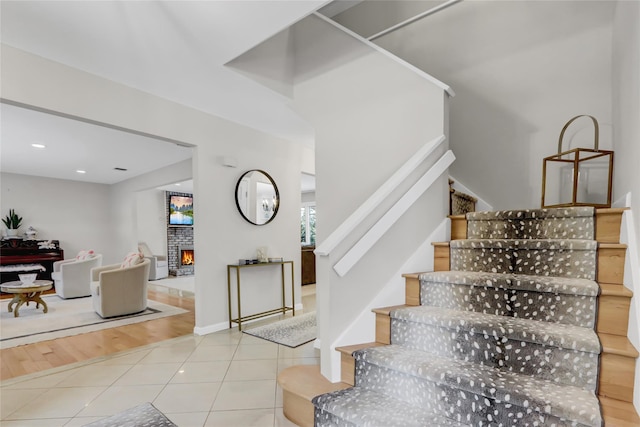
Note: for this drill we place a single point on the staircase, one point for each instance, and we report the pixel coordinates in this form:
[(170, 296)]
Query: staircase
[(505, 338)]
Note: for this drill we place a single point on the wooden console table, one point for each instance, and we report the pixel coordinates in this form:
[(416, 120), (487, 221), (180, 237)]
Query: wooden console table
[(283, 309)]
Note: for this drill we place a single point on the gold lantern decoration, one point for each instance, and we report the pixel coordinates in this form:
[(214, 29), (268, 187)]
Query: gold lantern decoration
[(578, 177)]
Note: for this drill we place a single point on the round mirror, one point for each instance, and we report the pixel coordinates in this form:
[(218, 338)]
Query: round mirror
[(257, 197)]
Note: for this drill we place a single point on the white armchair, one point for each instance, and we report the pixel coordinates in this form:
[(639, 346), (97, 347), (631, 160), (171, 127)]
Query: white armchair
[(72, 277), (159, 267), (118, 290)]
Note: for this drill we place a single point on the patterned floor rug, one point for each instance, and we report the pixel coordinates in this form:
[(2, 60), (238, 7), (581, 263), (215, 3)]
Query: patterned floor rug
[(145, 415), (66, 318), (291, 332)]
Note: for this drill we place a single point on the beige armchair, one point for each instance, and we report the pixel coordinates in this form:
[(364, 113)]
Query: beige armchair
[(72, 277), (159, 267), (117, 291)]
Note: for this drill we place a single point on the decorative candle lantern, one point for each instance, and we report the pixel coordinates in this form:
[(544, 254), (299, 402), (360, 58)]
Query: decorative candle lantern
[(578, 177)]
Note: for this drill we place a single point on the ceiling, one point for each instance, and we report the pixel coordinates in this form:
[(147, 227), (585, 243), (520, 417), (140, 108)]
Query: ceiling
[(174, 50)]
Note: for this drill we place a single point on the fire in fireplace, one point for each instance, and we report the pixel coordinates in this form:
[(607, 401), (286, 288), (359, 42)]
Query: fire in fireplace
[(186, 256)]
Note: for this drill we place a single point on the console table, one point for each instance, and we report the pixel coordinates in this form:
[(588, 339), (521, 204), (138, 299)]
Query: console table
[(283, 309)]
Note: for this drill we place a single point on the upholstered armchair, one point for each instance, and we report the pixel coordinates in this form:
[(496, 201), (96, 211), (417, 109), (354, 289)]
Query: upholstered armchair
[(72, 277), (159, 267), (118, 290)]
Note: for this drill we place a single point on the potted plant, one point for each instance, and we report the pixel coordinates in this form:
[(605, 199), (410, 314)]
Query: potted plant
[(13, 222)]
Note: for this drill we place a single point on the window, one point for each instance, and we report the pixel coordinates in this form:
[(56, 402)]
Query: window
[(308, 224)]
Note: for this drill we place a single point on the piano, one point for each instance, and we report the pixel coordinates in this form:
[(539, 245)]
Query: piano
[(18, 252)]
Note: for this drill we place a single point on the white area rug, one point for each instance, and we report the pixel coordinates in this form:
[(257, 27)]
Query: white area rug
[(66, 318), (292, 332)]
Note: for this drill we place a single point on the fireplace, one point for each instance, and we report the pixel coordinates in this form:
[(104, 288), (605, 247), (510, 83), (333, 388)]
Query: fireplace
[(186, 256)]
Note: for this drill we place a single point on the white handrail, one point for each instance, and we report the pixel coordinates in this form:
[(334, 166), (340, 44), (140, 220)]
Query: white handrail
[(367, 241), (360, 214), (413, 19)]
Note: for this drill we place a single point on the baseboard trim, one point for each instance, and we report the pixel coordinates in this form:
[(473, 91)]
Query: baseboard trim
[(205, 330)]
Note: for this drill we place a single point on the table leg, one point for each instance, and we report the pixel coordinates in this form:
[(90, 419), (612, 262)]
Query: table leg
[(229, 293), (293, 292), (284, 304), (14, 300), (39, 300), (22, 298), (239, 310)]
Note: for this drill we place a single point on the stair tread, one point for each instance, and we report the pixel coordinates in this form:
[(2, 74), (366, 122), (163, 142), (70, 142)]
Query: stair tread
[(349, 349), (615, 290), (611, 210), (617, 344), (367, 407), (532, 331), (386, 310), (307, 382), (612, 245), (440, 244), (542, 396), (617, 413), (559, 285)]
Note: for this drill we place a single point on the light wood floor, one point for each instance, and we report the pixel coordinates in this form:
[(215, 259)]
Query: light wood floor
[(27, 359)]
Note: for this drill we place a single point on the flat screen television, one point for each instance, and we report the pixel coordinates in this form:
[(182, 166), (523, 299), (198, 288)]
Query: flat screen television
[(180, 210)]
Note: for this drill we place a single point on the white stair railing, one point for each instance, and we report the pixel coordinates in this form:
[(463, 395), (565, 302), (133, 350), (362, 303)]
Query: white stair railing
[(386, 189), (374, 234)]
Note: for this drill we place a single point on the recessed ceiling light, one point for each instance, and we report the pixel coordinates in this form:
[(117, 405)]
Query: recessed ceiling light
[(40, 146), (81, 171), (177, 184)]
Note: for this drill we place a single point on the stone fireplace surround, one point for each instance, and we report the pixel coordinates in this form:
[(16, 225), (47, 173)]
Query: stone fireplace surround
[(178, 236)]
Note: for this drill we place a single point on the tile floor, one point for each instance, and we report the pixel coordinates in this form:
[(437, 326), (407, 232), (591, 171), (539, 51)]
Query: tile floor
[(223, 379)]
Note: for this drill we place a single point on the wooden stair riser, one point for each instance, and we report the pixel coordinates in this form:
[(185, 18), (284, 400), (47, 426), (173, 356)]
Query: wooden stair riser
[(412, 290), (458, 227), (610, 265), (441, 257), (617, 374), (613, 314), (383, 328), (608, 223), (347, 369)]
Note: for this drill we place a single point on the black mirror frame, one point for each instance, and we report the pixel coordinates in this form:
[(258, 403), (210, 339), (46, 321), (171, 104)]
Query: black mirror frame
[(275, 188)]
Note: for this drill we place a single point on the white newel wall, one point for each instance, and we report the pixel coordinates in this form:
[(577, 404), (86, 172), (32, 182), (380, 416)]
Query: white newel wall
[(370, 114)]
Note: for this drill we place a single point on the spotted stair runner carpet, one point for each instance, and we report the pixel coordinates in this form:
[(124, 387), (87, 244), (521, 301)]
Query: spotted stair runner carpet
[(504, 339)]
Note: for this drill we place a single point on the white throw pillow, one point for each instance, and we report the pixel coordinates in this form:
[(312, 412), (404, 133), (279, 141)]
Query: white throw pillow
[(83, 255), (132, 259)]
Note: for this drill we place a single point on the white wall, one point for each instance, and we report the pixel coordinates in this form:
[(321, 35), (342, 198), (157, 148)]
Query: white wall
[(221, 235), (308, 197), (75, 213), (152, 220), (370, 115), (520, 70), (626, 111)]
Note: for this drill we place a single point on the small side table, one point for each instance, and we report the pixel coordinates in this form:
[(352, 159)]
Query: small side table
[(24, 294), (283, 309)]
